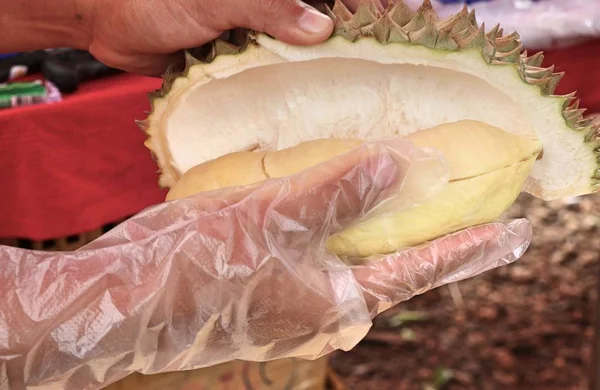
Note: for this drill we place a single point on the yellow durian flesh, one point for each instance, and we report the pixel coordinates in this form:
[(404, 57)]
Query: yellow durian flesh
[(474, 148), (488, 168), (234, 169), (461, 204), (245, 168)]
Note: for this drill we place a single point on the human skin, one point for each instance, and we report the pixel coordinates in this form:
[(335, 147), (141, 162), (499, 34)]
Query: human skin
[(147, 36)]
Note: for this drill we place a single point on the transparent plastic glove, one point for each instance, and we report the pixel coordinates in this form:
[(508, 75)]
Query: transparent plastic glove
[(230, 274)]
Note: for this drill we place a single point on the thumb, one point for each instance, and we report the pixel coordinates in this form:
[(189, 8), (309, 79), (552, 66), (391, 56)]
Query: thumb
[(291, 21)]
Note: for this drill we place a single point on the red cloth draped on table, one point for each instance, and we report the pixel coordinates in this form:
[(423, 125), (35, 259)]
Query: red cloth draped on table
[(73, 166)]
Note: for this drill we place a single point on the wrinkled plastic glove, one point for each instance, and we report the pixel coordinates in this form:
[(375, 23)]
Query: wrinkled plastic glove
[(231, 274)]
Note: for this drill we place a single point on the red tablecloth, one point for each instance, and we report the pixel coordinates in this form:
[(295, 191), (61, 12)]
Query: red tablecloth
[(582, 66), (74, 166)]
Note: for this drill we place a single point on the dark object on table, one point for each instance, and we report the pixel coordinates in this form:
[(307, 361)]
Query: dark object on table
[(3, 56), (29, 62), (67, 68)]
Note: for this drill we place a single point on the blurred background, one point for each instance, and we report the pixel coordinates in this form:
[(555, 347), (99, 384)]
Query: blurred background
[(74, 165)]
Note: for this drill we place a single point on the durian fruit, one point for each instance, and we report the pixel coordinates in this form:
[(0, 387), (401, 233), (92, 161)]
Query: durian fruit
[(242, 108), (475, 193)]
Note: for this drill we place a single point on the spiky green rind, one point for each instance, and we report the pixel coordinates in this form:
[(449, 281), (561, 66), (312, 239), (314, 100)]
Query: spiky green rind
[(400, 24)]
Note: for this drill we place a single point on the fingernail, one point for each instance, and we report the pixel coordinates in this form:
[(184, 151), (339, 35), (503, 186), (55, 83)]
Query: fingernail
[(314, 22)]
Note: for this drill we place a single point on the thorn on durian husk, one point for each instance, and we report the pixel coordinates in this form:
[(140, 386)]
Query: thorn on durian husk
[(536, 60), (429, 14), (568, 100), (445, 42), (142, 124), (341, 11), (550, 87), (342, 19), (190, 60), (535, 72), (573, 117), (493, 33), (365, 16), (575, 105), (155, 158), (426, 36), (508, 43), (476, 39), (473, 18), (457, 23), (417, 23), (401, 13), (397, 35), (508, 57), (594, 133), (586, 123), (382, 29), (155, 95), (579, 114), (170, 75)]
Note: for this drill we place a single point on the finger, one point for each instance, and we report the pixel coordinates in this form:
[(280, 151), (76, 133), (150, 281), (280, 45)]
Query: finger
[(449, 259), (291, 21)]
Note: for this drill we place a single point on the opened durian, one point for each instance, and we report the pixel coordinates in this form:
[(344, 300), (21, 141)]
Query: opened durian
[(256, 107)]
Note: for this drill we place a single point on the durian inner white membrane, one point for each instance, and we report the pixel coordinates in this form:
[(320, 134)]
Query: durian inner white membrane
[(280, 104)]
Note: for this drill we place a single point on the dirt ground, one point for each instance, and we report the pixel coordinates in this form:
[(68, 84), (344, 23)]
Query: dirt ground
[(525, 326)]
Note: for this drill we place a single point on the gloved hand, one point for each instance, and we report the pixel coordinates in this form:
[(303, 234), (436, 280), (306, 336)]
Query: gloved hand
[(230, 274)]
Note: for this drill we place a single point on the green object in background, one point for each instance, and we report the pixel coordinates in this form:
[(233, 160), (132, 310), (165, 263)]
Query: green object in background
[(13, 94)]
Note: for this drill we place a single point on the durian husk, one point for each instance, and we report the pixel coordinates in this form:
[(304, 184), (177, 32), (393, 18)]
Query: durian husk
[(397, 25), (458, 44)]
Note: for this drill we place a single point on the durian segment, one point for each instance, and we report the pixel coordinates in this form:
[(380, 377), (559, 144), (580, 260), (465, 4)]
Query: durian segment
[(517, 88), (461, 204), (461, 143), (231, 170), (474, 148), (245, 168), (474, 195), (307, 154)]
